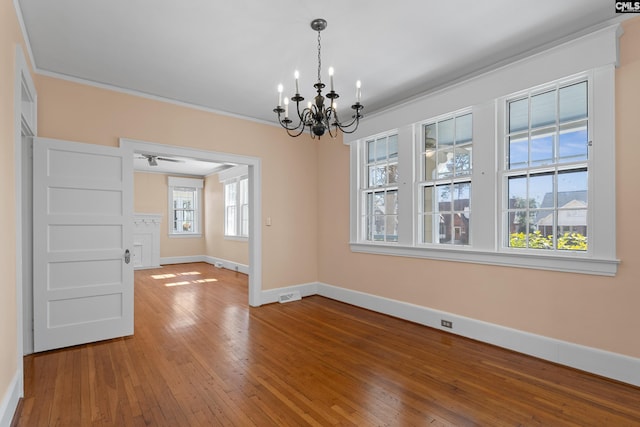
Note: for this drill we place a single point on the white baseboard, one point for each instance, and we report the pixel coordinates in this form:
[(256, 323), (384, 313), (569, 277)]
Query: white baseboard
[(182, 259), (272, 295), (229, 265), (604, 363), (10, 400)]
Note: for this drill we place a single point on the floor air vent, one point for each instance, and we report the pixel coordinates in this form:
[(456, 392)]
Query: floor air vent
[(289, 296)]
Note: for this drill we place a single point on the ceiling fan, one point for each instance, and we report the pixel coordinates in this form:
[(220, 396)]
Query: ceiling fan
[(153, 160)]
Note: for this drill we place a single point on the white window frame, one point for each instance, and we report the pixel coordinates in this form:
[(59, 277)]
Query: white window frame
[(422, 182), (553, 168), (366, 189), (484, 94), (189, 184), (235, 177)]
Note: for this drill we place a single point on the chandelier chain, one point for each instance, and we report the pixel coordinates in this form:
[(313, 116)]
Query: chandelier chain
[(319, 58)]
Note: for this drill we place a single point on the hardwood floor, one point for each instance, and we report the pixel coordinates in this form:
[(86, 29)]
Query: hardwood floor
[(201, 356)]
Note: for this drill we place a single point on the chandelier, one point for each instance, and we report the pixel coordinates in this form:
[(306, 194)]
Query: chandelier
[(317, 117)]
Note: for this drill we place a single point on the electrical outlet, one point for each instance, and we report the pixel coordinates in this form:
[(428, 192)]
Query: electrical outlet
[(446, 323)]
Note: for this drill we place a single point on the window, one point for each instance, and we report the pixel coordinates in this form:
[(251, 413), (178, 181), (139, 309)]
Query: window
[(380, 189), (185, 207), (445, 186), (546, 168), (513, 167), (236, 207)]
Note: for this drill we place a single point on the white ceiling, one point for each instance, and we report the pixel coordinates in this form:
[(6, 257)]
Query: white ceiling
[(229, 56)]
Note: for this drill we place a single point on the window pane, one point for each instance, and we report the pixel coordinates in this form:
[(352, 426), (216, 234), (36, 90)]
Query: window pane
[(230, 221), (371, 151), (392, 172), (445, 163), (572, 194), (541, 230), (430, 136), (445, 228), (518, 115), (518, 224), (393, 146), (428, 227), (381, 149), (461, 196), (518, 152), (444, 197), (542, 149), (378, 228), (463, 160), (464, 129), (244, 191), (517, 190), (543, 109), (445, 132), (428, 199), (541, 190), (391, 228), (572, 230), (430, 165), (377, 176), (573, 102), (573, 145), (245, 220)]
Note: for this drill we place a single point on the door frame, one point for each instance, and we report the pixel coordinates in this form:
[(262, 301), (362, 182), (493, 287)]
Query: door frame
[(255, 198), (25, 126)]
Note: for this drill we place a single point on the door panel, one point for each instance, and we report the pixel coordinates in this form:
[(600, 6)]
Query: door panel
[(83, 224)]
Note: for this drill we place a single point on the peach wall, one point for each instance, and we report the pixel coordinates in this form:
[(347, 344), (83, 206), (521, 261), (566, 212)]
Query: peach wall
[(150, 195), (77, 112), (10, 37), (216, 244), (600, 312)]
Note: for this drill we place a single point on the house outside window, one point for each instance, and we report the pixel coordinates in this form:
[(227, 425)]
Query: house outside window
[(185, 207)]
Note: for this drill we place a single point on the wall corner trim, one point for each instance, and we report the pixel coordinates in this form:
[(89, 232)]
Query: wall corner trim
[(9, 402)]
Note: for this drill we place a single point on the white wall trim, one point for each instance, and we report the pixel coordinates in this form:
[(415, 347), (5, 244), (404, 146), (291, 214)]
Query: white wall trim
[(600, 362), (306, 289), (9, 402), (182, 259), (229, 265)]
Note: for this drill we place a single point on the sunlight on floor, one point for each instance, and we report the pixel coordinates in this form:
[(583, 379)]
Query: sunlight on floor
[(187, 273), (177, 284), (163, 276), (193, 281)]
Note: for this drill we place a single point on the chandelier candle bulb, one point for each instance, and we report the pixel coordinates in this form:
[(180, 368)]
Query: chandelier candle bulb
[(286, 107), (331, 77), (280, 89), (296, 74), (358, 91)]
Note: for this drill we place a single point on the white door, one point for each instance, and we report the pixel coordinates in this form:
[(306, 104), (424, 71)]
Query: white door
[(82, 230)]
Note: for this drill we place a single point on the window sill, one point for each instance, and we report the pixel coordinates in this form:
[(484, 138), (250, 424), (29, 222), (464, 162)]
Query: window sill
[(570, 263), (185, 236), (237, 238)]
